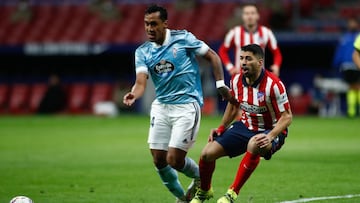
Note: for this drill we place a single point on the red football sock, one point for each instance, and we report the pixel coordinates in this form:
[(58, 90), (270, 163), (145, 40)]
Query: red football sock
[(206, 171), (246, 167)]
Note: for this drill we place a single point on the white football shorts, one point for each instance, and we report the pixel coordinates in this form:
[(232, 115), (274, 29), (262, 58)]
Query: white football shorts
[(173, 125)]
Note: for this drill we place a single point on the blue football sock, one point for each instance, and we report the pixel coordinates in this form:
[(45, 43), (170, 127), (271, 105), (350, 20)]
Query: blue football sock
[(170, 179), (191, 169)]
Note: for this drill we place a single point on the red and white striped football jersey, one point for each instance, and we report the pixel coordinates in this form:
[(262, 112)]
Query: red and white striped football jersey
[(238, 37), (261, 103)]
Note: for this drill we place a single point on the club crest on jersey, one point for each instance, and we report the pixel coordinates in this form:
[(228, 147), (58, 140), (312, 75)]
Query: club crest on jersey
[(261, 96), (164, 67)]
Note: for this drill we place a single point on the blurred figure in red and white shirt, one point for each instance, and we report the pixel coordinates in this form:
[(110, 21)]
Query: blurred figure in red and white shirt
[(250, 32)]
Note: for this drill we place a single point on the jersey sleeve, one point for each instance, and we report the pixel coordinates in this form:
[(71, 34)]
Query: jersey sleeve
[(282, 101), (224, 49), (234, 86), (357, 43), (140, 65), (274, 48), (199, 47)]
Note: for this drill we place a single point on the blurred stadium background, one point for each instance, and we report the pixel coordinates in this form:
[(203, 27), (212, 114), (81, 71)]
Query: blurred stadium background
[(90, 46)]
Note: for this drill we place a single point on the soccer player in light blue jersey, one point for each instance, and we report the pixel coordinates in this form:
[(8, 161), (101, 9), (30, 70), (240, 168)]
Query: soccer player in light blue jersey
[(169, 57)]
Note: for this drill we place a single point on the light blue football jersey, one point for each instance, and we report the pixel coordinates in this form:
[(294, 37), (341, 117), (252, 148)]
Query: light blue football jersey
[(173, 67)]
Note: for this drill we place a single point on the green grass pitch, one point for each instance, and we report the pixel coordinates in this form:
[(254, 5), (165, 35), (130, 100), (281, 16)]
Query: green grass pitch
[(73, 159)]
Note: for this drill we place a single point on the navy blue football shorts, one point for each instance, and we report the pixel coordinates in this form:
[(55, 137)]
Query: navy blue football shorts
[(235, 140)]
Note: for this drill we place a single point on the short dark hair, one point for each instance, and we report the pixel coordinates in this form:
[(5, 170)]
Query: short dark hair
[(155, 8), (255, 49)]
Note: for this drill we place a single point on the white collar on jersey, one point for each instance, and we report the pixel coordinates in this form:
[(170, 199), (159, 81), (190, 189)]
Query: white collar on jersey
[(166, 40)]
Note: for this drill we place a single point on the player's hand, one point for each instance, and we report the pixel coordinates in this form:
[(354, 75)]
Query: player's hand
[(234, 71), (275, 69), (225, 94), (129, 99), (262, 140), (216, 132)]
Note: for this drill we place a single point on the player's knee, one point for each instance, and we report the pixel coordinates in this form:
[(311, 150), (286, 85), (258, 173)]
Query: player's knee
[(174, 162), (207, 155), (212, 151), (252, 146), (159, 162)]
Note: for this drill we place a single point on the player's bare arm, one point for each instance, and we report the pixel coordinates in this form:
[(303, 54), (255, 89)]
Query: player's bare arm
[(283, 122), (137, 90), (230, 114), (215, 61), (275, 69), (264, 140)]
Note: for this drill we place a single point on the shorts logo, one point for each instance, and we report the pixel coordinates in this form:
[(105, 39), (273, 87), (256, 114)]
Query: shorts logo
[(164, 67), (152, 121)]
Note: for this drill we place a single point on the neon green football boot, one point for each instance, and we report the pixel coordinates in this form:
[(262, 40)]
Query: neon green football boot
[(202, 195), (229, 197)]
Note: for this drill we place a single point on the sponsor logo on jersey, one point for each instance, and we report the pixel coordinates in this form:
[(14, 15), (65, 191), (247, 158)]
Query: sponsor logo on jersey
[(164, 67), (253, 108)]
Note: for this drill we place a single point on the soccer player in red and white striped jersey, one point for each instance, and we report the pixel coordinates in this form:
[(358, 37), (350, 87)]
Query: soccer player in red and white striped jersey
[(249, 33), (259, 132)]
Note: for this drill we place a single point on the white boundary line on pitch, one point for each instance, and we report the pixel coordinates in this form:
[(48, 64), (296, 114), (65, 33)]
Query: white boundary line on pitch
[(321, 198)]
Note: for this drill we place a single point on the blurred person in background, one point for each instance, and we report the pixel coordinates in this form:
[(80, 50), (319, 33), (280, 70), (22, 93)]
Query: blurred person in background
[(247, 33), (23, 12), (106, 9), (344, 64), (169, 57), (356, 59), (183, 5), (54, 99)]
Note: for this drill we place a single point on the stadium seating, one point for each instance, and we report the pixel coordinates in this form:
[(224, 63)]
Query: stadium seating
[(78, 98), (25, 98), (36, 94), (300, 104), (76, 23), (73, 21), (4, 97), (100, 92), (349, 11), (19, 97)]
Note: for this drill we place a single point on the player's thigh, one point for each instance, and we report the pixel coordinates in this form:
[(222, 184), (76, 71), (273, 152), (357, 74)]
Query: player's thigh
[(185, 119), (235, 139), (160, 128)]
